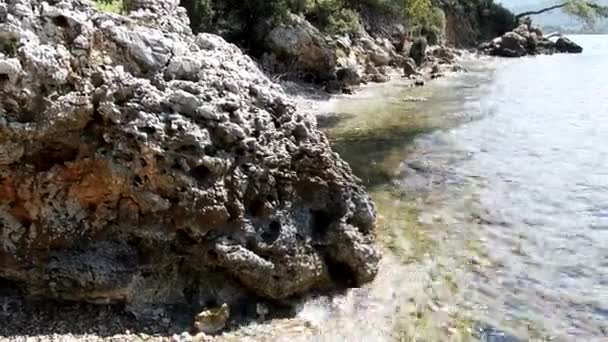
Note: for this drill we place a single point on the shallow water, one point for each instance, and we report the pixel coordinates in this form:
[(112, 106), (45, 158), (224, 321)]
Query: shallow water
[(493, 202)]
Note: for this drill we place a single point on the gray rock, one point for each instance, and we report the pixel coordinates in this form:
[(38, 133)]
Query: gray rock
[(144, 163), (378, 55), (348, 76), (444, 54), (305, 46), (511, 45), (523, 30), (566, 45)]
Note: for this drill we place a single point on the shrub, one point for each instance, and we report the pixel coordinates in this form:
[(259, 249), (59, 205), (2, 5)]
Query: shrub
[(332, 16), (343, 21), (494, 19), (112, 6), (200, 13)]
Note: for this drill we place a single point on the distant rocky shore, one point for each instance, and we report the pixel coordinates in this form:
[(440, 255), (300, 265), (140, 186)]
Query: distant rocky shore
[(341, 63), (525, 40)]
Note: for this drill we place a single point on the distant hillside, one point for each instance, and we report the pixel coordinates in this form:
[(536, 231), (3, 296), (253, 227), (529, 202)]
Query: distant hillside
[(555, 20)]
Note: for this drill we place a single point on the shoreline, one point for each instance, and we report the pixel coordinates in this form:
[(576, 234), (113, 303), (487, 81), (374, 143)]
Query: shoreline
[(313, 100)]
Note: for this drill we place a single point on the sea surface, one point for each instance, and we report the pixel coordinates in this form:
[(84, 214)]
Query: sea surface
[(492, 196)]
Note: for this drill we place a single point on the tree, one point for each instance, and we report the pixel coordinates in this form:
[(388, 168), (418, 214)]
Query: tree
[(585, 10)]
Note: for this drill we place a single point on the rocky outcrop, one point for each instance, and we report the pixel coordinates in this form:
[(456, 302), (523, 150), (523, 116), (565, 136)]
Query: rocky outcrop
[(144, 165), (299, 49), (297, 44), (566, 45), (527, 40)]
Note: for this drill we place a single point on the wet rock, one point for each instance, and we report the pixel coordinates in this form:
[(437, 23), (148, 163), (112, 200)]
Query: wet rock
[(212, 321), (418, 50), (444, 54), (409, 67), (380, 78), (142, 165), (348, 76), (566, 45)]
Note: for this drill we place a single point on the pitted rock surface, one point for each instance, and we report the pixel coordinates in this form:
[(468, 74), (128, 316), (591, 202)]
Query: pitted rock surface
[(142, 164)]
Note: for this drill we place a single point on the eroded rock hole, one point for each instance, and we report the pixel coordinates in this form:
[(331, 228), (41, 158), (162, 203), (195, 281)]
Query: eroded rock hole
[(201, 173), (272, 233), (320, 223), (212, 255), (182, 240), (51, 156), (61, 21), (148, 129), (341, 274), (137, 181), (256, 208)]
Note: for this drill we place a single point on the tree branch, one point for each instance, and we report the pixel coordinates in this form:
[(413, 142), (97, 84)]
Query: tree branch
[(525, 14), (602, 11)]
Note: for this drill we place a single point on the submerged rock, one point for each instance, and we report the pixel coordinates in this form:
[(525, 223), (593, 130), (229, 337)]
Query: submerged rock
[(144, 165)]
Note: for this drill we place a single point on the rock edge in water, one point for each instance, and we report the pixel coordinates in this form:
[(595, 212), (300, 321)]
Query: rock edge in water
[(144, 165)]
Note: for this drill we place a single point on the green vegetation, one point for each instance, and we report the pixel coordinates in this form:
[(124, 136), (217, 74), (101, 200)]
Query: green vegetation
[(331, 16), (587, 11), (430, 25), (485, 18), (112, 6), (200, 12), (244, 21)]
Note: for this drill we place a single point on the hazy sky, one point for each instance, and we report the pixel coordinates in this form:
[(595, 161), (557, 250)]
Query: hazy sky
[(517, 3), (540, 3)]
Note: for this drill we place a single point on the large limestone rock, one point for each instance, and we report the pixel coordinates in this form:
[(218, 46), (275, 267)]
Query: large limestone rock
[(300, 45), (144, 165), (512, 44)]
